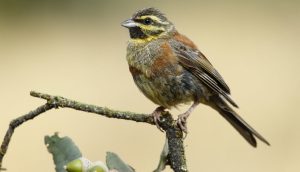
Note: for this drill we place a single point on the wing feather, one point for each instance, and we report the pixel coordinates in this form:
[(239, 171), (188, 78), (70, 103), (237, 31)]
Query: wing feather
[(198, 65), (201, 61)]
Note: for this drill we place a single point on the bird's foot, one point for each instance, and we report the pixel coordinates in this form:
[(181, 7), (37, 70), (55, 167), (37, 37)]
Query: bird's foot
[(156, 116), (182, 118), (182, 121)]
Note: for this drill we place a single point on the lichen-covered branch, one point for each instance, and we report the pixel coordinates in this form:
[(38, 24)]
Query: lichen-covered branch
[(174, 135), (62, 102), (176, 157)]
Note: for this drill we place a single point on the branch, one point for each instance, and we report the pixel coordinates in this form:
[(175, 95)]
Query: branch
[(15, 123), (62, 102), (174, 135)]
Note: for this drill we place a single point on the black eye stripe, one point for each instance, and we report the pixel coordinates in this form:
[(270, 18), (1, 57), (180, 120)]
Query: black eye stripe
[(147, 21), (139, 20)]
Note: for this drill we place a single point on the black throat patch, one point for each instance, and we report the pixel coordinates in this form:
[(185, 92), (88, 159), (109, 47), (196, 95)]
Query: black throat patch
[(137, 33)]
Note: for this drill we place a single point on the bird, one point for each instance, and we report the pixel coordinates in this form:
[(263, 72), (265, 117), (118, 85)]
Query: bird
[(168, 68)]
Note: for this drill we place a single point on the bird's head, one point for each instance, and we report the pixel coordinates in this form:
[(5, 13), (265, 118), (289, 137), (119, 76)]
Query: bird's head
[(148, 24)]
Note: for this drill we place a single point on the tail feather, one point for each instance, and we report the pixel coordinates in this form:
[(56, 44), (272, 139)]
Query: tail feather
[(237, 122)]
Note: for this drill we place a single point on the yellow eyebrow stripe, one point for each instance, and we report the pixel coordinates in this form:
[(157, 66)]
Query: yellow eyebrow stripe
[(150, 27)]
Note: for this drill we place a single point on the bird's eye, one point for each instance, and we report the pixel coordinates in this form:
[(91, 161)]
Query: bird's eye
[(148, 21)]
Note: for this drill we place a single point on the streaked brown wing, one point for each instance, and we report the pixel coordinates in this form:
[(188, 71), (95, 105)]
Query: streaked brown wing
[(198, 65)]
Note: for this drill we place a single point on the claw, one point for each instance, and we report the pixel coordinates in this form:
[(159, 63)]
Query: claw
[(182, 119), (182, 122), (156, 116)]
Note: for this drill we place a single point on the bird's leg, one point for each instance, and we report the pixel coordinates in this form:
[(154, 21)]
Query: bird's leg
[(182, 118), (156, 116)]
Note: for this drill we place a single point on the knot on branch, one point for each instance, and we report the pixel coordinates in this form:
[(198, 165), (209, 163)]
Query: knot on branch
[(168, 123), (54, 101)]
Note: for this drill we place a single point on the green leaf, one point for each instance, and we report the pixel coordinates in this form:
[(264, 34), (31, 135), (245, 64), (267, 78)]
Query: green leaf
[(114, 162), (63, 150)]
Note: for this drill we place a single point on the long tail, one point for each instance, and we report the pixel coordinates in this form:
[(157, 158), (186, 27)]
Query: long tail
[(236, 121)]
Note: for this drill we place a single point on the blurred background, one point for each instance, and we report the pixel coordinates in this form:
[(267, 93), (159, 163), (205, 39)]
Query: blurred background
[(76, 49)]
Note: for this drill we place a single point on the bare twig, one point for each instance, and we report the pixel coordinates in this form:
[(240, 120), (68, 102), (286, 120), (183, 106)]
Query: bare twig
[(176, 157), (15, 123)]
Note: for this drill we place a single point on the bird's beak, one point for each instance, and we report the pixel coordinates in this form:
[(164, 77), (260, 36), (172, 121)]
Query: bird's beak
[(129, 23)]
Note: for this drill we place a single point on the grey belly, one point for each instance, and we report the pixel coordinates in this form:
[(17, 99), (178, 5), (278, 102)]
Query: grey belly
[(169, 91)]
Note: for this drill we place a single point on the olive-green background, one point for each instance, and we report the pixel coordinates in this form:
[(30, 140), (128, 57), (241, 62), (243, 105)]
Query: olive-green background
[(77, 49)]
